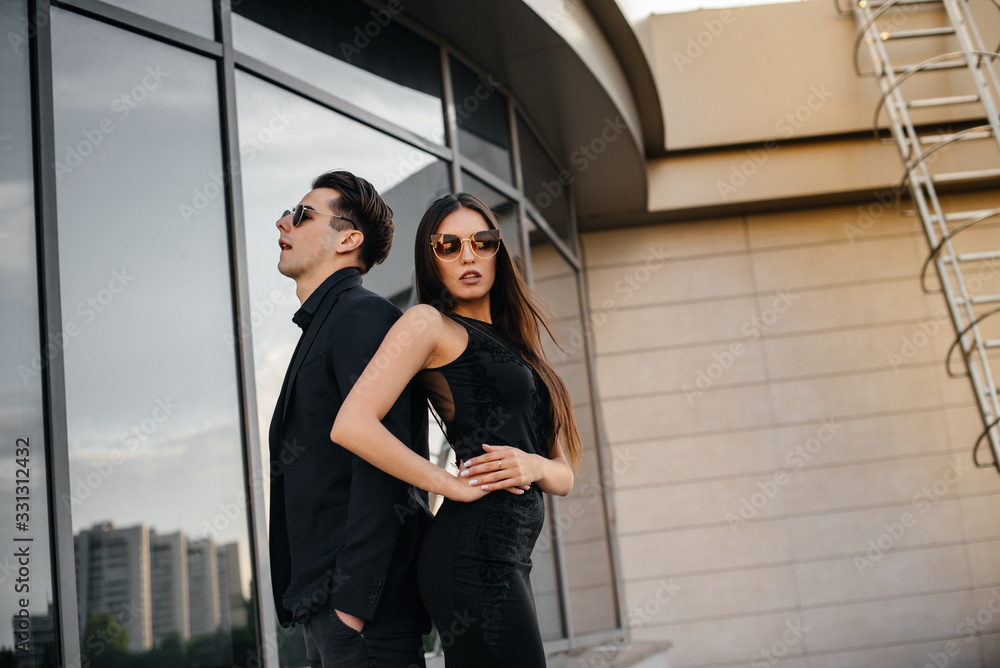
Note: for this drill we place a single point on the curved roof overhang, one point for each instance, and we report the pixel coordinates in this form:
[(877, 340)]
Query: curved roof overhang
[(578, 72)]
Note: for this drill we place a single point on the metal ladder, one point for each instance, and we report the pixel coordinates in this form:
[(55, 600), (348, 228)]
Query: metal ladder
[(948, 32)]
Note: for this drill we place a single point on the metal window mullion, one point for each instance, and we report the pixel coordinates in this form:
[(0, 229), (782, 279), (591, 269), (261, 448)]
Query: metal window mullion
[(450, 121), (252, 459), (143, 25), (67, 620), (562, 577), (307, 91), (551, 236), (603, 449)]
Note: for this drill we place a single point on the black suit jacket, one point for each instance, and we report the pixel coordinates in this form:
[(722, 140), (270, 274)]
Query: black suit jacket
[(342, 533)]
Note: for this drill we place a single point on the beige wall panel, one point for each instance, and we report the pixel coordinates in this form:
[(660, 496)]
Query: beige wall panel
[(634, 245), (712, 66), (715, 410), (858, 305), (669, 553), (990, 644), (717, 365), (895, 621), (859, 440), (691, 181), (591, 612), (678, 324), (963, 422), (769, 173), (980, 519), (695, 457), (966, 655), (690, 505), (890, 348), (857, 394), (582, 520), (983, 563), (582, 568), (835, 488), (732, 488), (730, 642), (987, 610), (897, 573), (670, 281), (846, 534), (811, 226), (836, 263), (702, 597), (560, 293)]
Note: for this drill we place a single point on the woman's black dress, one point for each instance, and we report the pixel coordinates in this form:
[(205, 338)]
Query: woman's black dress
[(475, 559)]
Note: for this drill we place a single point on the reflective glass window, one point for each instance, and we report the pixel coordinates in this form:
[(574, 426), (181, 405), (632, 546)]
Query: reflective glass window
[(481, 115), (157, 471), (545, 185), (582, 519), (503, 207), (285, 142), (27, 616), (356, 52), (191, 15)]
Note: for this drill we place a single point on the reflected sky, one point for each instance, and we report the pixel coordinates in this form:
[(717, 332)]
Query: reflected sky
[(21, 415), (152, 402), (192, 15), (279, 162)]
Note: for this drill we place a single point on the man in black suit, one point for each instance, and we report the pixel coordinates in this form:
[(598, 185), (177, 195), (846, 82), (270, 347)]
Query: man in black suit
[(343, 535)]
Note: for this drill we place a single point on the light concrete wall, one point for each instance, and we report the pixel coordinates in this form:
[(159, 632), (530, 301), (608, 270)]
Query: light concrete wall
[(730, 76), (762, 104), (813, 494)]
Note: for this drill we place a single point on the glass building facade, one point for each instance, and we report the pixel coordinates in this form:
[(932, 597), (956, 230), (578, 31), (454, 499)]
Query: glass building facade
[(148, 149)]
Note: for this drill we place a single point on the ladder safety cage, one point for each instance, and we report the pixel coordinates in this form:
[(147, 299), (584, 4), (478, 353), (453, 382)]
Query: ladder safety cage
[(880, 24)]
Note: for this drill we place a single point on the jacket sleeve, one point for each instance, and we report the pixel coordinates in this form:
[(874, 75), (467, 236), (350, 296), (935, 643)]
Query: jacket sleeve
[(377, 506)]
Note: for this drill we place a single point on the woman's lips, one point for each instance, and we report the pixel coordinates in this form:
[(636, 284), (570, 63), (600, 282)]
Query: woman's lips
[(470, 277)]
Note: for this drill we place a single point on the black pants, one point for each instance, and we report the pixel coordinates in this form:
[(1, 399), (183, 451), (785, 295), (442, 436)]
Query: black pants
[(387, 642)]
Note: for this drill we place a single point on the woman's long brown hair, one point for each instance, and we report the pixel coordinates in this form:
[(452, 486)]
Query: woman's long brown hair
[(514, 308)]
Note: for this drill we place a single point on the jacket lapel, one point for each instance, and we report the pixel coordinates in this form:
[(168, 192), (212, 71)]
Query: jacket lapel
[(307, 338)]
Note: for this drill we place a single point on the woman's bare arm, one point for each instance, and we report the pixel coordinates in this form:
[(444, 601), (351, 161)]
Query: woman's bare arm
[(410, 346), (505, 467)]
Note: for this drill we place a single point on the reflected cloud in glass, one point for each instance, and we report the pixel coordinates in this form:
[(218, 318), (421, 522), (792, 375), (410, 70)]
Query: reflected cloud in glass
[(155, 446)]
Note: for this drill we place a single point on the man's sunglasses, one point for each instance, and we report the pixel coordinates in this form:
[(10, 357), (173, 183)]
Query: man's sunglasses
[(447, 247), (299, 212)]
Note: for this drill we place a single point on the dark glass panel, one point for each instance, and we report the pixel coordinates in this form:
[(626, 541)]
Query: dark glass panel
[(351, 50), (503, 207), (545, 186), (191, 15), (157, 471), (585, 539), (27, 616), (481, 114)]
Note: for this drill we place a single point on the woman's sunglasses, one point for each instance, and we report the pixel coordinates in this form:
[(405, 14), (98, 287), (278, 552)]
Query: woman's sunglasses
[(484, 244), (299, 212)]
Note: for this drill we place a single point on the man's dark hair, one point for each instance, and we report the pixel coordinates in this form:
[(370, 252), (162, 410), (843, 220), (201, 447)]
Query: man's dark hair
[(361, 204)]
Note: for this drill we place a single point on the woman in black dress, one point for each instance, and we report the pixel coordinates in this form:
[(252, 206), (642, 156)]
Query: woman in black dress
[(474, 344)]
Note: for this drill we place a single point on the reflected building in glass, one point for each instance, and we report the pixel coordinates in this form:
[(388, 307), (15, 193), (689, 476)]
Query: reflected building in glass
[(146, 157)]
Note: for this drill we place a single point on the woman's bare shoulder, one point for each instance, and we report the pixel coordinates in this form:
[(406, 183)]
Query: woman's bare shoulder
[(446, 338)]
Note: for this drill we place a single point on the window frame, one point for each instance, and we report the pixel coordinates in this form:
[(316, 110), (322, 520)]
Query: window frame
[(227, 61)]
